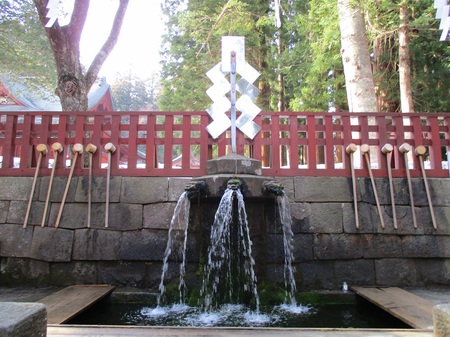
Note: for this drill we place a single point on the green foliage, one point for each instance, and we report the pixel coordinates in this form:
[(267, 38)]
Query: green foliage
[(171, 293), (297, 51), (305, 51), (9, 10), (194, 298), (272, 294), (192, 46), (24, 47), (134, 94), (430, 58), (321, 74)]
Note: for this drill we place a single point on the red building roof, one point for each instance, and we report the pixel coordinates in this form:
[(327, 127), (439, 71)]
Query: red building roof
[(16, 95)]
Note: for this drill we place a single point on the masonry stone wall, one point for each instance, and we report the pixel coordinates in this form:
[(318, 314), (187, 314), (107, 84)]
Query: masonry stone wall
[(328, 248)]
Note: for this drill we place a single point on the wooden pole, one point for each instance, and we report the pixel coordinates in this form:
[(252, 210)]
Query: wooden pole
[(77, 149), (420, 152), (387, 150), (42, 149), (405, 148), (57, 148), (110, 148), (91, 149), (366, 149), (351, 148)]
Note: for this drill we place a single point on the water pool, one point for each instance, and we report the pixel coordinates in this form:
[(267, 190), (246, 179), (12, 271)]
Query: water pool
[(360, 314)]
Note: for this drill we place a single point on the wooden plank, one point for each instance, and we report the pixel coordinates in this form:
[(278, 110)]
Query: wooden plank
[(147, 331), (408, 307), (68, 302)]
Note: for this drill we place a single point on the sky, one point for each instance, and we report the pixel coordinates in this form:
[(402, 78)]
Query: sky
[(138, 46)]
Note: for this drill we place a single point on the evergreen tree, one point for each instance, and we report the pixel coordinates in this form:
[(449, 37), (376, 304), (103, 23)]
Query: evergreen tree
[(429, 58), (192, 46), (315, 65), (24, 49), (300, 62), (134, 94)]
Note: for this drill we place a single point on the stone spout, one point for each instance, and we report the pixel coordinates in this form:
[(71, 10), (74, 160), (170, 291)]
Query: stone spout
[(195, 187), (234, 184), (274, 187)]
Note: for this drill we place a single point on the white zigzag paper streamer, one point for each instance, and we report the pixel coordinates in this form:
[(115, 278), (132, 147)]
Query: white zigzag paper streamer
[(221, 86), (59, 10), (443, 13)]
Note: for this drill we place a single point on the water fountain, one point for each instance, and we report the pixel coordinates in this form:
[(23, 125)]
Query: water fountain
[(230, 272), (229, 275), (180, 220), (229, 281), (234, 250)]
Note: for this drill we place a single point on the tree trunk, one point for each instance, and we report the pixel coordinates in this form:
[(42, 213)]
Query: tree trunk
[(73, 85), (71, 90), (281, 100), (264, 98), (284, 151), (356, 59), (404, 66), (381, 46)]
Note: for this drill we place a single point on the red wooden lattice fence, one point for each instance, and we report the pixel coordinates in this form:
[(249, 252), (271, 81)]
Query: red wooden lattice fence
[(177, 144)]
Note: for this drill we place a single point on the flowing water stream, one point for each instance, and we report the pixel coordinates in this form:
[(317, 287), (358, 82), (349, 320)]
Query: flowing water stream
[(180, 221), (288, 239), (229, 295), (229, 272), (229, 286)]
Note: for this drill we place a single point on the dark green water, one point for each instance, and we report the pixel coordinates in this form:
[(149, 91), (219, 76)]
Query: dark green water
[(358, 315)]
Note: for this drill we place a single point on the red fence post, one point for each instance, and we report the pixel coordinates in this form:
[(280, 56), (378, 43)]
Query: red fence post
[(435, 150), (275, 141), (8, 146), (44, 135), (329, 143), (25, 142), (311, 142), (96, 139), (132, 142), (186, 142), (150, 147)]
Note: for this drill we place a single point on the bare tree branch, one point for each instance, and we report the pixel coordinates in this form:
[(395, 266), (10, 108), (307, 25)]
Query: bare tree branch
[(73, 84), (77, 21), (224, 9), (377, 31), (65, 41), (108, 46), (55, 32)]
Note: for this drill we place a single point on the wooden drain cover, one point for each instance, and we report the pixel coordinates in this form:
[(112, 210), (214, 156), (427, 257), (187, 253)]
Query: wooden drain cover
[(68, 302), (408, 307)]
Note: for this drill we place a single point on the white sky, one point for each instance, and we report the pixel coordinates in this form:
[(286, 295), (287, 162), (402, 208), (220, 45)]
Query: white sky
[(137, 49)]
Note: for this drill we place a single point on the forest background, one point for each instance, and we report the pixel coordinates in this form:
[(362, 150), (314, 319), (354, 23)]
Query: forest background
[(300, 59)]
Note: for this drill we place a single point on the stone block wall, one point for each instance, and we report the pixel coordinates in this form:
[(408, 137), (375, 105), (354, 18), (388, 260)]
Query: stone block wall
[(328, 248)]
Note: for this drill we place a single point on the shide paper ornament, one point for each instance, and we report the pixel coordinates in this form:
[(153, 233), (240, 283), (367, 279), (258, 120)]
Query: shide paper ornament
[(59, 10), (233, 63), (443, 13)]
